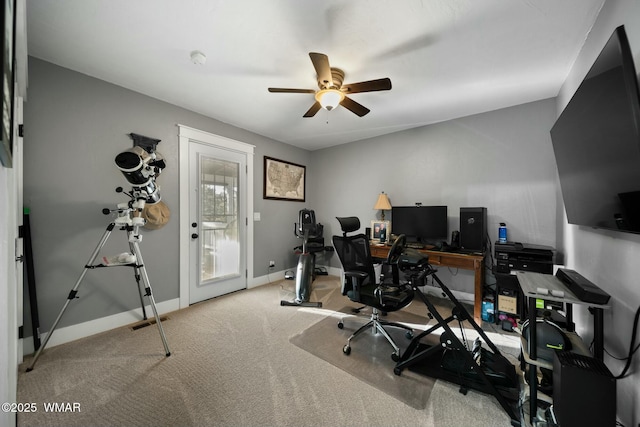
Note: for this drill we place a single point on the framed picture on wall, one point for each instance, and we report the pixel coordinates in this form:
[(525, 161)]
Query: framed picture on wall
[(380, 229), (284, 180), (6, 134)]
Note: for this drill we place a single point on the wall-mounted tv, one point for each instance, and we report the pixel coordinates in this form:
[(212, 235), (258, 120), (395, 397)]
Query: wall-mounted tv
[(596, 141)]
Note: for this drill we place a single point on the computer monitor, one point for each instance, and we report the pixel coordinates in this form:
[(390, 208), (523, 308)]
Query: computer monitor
[(424, 224)]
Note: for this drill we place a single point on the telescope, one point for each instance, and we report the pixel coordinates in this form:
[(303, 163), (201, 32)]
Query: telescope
[(140, 168)]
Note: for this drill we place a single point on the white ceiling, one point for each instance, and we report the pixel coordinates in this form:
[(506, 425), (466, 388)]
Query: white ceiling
[(445, 58)]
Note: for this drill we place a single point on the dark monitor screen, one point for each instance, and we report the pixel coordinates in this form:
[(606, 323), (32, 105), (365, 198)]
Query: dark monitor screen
[(596, 141), (425, 224)]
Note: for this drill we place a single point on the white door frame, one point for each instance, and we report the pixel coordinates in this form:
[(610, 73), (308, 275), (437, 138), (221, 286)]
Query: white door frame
[(187, 134), (12, 272), (18, 165)]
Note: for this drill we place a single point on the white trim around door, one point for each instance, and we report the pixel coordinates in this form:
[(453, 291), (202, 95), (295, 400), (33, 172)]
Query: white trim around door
[(186, 135)]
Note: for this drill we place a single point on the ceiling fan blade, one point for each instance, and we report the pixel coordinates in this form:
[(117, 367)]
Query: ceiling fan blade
[(354, 107), (284, 90), (313, 110), (368, 86), (321, 64)]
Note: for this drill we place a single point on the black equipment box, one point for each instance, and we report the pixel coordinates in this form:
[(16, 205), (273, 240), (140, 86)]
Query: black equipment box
[(581, 287), (524, 256), (411, 259), (584, 391)]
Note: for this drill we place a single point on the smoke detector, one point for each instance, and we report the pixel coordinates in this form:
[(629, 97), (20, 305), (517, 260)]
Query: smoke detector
[(198, 57)]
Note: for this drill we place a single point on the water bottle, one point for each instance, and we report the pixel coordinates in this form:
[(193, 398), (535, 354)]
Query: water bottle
[(502, 233)]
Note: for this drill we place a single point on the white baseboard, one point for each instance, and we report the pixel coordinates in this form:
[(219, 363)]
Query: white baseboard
[(266, 279), (279, 275), (436, 291), (92, 327), (334, 271), (431, 290)]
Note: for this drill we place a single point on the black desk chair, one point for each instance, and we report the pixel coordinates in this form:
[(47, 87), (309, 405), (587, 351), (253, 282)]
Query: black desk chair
[(360, 284)]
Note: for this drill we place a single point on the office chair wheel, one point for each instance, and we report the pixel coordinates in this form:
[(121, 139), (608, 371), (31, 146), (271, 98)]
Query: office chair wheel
[(409, 335), (346, 349), (397, 371), (395, 356), (340, 325)]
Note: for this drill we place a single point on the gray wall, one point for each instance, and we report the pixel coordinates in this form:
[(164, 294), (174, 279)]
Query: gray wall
[(502, 160), (609, 259), (75, 126)]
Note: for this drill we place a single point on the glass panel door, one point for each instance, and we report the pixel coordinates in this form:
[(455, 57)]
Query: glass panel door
[(218, 221), (219, 244)]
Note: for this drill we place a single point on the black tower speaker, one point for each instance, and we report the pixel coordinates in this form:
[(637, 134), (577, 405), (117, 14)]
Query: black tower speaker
[(584, 391), (473, 229)]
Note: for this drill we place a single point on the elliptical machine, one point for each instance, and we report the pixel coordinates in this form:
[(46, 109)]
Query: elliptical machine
[(311, 234)]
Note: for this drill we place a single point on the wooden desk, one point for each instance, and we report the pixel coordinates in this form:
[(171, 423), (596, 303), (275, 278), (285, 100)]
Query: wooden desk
[(455, 260)]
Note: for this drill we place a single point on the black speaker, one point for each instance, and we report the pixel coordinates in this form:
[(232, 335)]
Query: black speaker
[(473, 229), (584, 391)]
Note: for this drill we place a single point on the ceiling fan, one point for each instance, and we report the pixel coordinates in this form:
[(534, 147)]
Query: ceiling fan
[(332, 92)]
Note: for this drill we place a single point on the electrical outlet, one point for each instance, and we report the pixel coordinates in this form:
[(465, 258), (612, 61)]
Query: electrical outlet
[(272, 264)]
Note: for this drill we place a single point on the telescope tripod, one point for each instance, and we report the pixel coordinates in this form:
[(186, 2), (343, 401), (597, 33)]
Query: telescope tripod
[(135, 261)]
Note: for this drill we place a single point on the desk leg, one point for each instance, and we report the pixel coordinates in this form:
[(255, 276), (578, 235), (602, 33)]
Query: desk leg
[(477, 291), (598, 333)]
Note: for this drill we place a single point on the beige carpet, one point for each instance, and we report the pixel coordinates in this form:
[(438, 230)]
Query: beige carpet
[(232, 364), (370, 359)]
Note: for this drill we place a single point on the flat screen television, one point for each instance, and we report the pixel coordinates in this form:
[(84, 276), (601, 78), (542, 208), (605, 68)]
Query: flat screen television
[(596, 141), (423, 224)]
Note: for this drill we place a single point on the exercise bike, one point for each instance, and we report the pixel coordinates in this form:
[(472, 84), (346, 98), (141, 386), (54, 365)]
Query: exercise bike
[(311, 234)]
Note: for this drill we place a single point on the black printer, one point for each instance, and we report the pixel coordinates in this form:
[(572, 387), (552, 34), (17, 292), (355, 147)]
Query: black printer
[(524, 256)]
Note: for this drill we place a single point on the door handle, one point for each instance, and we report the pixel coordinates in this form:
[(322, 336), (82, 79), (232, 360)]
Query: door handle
[(18, 249)]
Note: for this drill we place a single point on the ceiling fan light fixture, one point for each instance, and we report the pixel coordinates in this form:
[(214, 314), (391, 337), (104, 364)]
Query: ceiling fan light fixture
[(329, 98)]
